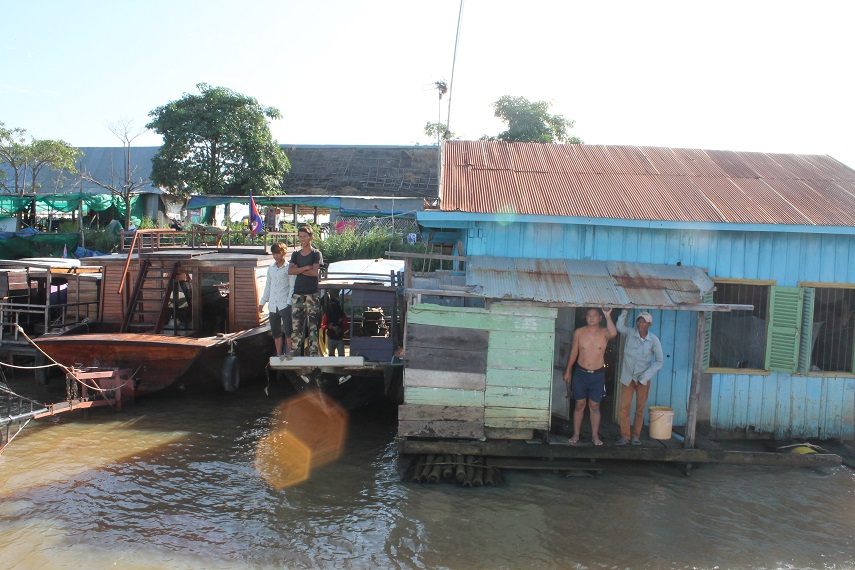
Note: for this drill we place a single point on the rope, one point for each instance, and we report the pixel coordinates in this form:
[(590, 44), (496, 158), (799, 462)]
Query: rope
[(67, 370)]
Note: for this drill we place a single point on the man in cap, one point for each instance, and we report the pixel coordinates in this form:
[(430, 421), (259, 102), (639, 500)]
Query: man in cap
[(642, 359)]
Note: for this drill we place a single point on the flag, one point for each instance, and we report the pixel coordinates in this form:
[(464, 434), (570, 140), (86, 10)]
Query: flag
[(255, 223), (65, 251)]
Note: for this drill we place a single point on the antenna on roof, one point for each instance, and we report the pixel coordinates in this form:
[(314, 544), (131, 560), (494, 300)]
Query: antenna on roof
[(453, 62)]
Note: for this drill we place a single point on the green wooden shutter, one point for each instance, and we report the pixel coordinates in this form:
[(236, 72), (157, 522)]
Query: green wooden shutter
[(806, 340), (708, 299), (784, 328)]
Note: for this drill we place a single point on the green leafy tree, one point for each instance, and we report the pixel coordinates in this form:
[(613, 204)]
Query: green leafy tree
[(218, 142), (26, 161), (531, 122)]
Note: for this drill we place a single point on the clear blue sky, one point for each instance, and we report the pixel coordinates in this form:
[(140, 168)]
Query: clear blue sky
[(734, 75)]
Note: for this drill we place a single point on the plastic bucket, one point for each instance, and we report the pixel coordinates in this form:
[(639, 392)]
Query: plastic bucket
[(661, 420)]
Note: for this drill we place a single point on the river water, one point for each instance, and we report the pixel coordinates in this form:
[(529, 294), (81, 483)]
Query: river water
[(194, 483)]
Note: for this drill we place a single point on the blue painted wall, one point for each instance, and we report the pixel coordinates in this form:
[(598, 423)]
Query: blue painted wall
[(787, 405)]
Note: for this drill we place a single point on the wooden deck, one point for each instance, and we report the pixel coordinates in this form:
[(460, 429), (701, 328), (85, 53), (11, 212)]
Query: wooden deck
[(552, 451)]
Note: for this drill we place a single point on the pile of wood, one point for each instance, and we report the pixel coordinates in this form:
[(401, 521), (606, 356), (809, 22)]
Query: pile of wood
[(468, 471)]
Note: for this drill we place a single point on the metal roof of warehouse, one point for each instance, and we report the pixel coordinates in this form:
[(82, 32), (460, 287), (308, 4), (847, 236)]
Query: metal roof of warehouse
[(647, 183)]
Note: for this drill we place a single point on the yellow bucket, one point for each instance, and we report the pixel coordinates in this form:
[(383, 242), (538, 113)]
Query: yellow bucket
[(661, 420)]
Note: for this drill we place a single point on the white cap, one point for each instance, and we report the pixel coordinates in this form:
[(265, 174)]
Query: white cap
[(646, 316)]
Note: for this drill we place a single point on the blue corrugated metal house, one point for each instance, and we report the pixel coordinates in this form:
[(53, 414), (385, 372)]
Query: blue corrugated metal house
[(774, 231)]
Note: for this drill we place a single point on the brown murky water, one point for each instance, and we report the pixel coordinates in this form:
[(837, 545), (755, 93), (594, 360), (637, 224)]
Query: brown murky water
[(173, 484)]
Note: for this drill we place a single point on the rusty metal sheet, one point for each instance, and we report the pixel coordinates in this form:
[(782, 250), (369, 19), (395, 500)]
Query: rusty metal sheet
[(646, 183), (582, 282)]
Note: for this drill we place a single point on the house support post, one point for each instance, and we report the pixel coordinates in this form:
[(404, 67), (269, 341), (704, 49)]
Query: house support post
[(695, 386)]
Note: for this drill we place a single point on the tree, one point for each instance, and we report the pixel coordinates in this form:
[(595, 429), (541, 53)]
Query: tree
[(125, 183), (218, 142), (531, 122), (439, 131), (32, 158)]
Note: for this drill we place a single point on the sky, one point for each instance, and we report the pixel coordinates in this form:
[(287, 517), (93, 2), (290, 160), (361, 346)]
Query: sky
[(767, 76)]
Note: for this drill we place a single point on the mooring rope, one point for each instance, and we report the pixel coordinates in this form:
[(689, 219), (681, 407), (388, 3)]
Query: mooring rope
[(67, 370)]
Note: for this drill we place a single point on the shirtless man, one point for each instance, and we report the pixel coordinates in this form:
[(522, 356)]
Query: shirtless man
[(589, 379)]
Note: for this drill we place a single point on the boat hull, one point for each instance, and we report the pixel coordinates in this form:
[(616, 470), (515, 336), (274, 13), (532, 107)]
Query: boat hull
[(165, 362)]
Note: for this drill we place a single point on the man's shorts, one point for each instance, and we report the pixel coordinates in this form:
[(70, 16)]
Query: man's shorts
[(279, 320), (589, 385)]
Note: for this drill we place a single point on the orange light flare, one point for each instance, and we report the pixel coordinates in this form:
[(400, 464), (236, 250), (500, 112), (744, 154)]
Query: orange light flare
[(307, 432)]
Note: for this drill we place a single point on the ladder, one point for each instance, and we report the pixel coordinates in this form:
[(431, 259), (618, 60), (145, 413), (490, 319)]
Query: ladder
[(147, 309)]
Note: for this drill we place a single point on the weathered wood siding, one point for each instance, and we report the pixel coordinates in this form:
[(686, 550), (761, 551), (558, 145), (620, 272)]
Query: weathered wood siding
[(243, 299), (490, 366), (112, 304)]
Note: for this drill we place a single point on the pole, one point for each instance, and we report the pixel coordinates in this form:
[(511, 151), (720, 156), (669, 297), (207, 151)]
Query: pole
[(695, 386)]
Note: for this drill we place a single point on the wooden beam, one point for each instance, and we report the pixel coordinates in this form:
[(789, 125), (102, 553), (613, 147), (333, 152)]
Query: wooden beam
[(673, 454), (695, 385)]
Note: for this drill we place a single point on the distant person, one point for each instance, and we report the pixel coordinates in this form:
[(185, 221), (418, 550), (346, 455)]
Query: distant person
[(335, 322), (305, 264), (588, 383), (277, 294), (642, 359)]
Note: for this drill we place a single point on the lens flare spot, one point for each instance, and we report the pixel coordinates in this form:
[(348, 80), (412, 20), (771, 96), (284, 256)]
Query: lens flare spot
[(307, 432)]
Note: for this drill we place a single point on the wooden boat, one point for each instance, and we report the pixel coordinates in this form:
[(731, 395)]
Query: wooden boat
[(371, 296), (180, 317)]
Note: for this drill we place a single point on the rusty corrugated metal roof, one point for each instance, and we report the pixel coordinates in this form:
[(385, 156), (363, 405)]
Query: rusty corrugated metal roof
[(584, 282), (647, 183)]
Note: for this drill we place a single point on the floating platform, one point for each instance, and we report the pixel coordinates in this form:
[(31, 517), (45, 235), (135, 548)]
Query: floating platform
[(322, 362)]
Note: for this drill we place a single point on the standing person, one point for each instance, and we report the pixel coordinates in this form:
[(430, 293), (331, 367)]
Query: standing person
[(335, 322), (305, 264), (589, 379), (642, 359), (278, 289)]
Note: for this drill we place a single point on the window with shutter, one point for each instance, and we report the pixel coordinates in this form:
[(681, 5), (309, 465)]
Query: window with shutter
[(784, 334)]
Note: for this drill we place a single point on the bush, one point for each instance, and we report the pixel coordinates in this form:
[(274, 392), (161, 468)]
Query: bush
[(373, 245)]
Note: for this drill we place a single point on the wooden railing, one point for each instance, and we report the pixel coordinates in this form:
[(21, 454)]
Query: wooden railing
[(144, 241)]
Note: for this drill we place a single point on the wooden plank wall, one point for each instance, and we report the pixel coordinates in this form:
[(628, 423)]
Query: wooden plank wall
[(477, 373), (243, 299), (111, 302)]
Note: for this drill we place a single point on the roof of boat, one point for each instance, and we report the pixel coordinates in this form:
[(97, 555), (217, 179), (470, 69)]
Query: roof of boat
[(192, 257)]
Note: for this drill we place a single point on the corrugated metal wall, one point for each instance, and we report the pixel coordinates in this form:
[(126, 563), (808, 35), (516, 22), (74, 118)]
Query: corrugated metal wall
[(787, 405)]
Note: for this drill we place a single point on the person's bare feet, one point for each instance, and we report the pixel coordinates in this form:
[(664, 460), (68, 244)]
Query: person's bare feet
[(573, 440), (598, 442)]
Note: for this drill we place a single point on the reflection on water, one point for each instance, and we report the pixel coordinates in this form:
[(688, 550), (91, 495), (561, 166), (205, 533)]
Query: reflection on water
[(172, 483)]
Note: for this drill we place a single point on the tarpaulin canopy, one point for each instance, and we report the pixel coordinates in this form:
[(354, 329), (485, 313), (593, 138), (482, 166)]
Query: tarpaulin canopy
[(11, 205)]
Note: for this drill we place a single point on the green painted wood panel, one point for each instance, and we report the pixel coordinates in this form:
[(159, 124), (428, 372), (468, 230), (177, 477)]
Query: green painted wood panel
[(515, 309), (540, 379), (521, 340), (516, 418), (522, 359), (806, 337), (785, 318), (510, 397), (465, 317), (444, 397), (414, 377)]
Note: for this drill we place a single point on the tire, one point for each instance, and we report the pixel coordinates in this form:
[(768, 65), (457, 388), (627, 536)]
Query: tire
[(231, 373)]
